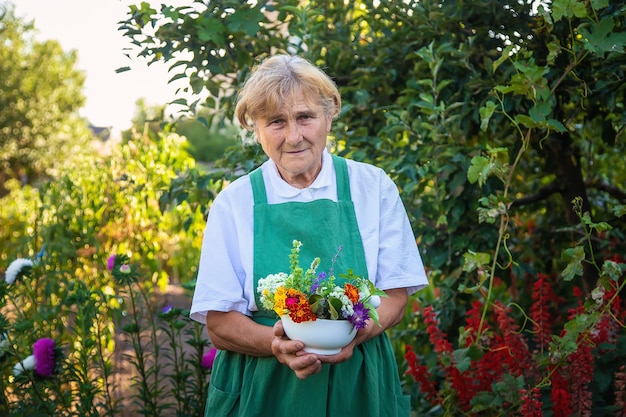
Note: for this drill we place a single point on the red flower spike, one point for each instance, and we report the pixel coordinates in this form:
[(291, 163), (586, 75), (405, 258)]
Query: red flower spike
[(531, 403), (421, 375), (561, 398), (540, 310)]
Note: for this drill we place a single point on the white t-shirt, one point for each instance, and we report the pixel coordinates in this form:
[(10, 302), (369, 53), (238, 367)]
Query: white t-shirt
[(225, 277)]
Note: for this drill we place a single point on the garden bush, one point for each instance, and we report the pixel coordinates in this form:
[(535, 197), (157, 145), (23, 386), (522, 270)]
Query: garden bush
[(88, 259)]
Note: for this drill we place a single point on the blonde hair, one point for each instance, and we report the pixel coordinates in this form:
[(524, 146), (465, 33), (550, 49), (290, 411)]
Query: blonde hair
[(276, 83)]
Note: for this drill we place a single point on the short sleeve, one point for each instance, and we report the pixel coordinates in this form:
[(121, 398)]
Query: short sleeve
[(391, 252), (399, 260), (221, 280)]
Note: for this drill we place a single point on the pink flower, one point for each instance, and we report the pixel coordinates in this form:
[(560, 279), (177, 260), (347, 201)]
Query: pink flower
[(125, 269), (208, 358), (43, 351), (291, 301), (111, 262)]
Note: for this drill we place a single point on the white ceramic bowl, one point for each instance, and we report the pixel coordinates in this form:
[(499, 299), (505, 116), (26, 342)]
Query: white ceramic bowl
[(323, 337)]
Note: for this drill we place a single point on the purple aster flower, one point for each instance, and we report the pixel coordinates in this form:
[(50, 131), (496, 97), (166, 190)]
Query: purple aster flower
[(360, 316), (111, 262), (43, 351), (316, 284), (208, 359)]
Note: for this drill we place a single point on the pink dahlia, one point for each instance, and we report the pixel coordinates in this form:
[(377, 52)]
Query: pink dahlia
[(43, 351)]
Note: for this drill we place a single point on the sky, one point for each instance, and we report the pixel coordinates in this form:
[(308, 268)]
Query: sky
[(90, 28)]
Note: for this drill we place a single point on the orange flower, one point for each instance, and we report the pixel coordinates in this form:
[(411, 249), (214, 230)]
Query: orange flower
[(299, 307), (351, 292)]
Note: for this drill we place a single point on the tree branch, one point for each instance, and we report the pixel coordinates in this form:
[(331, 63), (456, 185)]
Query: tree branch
[(544, 192), (555, 187), (612, 190)]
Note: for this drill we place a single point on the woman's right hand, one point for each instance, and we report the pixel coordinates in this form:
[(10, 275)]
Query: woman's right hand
[(289, 352)]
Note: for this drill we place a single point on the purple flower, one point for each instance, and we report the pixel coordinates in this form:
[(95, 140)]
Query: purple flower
[(316, 284), (111, 262), (43, 351), (360, 316), (208, 359), (166, 309)]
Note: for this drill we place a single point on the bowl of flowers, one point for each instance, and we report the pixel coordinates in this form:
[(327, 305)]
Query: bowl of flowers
[(322, 310)]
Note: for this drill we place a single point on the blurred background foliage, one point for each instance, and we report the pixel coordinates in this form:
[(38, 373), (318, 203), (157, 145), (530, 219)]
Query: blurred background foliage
[(480, 111)]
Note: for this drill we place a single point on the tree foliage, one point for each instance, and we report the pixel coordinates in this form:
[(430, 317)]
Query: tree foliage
[(40, 95), (429, 88), (502, 123)]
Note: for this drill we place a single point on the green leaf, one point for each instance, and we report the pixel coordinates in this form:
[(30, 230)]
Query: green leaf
[(485, 114), (539, 111), (246, 21), (479, 170), (556, 125), (619, 210), (335, 308), (575, 258), (212, 30), (506, 54), (373, 314), (463, 357), (599, 4), (598, 39), (131, 328), (474, 260), (568, 9), (600, 227), (526, 120), (612, 270)]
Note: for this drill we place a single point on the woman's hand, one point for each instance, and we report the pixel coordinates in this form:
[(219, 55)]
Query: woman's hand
[(289, 352)]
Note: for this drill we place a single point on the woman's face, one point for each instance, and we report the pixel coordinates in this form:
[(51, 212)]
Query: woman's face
[(295, 139)]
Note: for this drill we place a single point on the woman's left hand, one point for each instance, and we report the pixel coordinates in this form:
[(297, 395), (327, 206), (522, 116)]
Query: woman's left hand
[(289, 352)]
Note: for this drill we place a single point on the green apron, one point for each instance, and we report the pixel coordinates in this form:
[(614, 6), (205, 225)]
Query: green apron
[(368, 383)]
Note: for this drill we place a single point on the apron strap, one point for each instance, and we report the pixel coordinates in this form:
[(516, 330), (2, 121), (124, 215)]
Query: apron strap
[(343, 181), (258, 186)]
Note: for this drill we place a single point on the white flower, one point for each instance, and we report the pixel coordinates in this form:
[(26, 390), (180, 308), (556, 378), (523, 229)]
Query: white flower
[(268, 286), (346, 305), (15, 268), (27, 364)]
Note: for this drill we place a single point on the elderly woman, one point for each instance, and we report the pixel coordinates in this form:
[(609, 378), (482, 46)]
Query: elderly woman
[(304, 193)]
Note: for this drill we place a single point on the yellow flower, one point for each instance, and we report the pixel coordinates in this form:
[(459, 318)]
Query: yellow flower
[(279, 301)]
